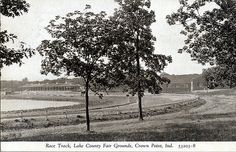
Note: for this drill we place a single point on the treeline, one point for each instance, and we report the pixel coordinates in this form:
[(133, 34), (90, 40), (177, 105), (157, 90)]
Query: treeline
[(220, 76)]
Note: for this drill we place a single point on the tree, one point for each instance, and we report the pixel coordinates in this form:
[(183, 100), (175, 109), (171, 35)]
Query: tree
[(219, 76), (210, 34), (8, 56), (25, 80), (12, 8), (78, 48), (229, 76), (132, 55), (210, 77)]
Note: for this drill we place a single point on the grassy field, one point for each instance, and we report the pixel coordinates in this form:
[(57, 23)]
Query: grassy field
[(168, 117)]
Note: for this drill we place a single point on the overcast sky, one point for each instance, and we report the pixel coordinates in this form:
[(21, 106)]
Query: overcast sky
[(30, 29)]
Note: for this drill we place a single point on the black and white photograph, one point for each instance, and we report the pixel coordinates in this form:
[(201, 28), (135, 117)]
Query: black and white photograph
[(118, 71)]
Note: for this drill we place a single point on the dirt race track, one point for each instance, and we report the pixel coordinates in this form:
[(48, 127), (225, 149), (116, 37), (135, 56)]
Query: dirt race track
[(168, 117)]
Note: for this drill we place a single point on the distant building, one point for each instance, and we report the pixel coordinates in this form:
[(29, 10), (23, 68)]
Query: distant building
[(198, 83), (51, 87), (174, 87), (183, 83)]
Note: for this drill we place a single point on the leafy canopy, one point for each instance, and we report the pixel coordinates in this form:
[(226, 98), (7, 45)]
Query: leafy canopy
[(210, 34), (220, 76), (8, 56), (12, 8), (133, 47), (78, 47)]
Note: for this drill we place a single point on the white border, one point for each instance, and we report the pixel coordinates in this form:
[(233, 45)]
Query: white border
[(116, 146)]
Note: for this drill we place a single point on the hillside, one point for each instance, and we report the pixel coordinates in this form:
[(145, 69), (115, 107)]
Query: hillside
[(184, 78)]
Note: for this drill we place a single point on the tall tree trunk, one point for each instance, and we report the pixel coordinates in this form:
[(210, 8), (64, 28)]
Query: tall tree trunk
[(87, 105), (139, 88), (138, 76), (140, 106)]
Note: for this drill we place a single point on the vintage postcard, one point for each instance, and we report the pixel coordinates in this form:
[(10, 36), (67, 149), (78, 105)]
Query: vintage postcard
[(118, 75)]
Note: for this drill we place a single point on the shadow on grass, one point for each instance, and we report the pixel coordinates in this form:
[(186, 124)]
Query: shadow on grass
[(210, 116), (173, 132)]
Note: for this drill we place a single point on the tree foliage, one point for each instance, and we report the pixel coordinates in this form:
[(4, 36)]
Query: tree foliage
[(12, 8), (220, 76), (8, 55), (78, 47), (133, 48), (210, 33)]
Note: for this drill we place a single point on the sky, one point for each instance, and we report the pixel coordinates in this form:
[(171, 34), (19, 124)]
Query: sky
[(29, 28)]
